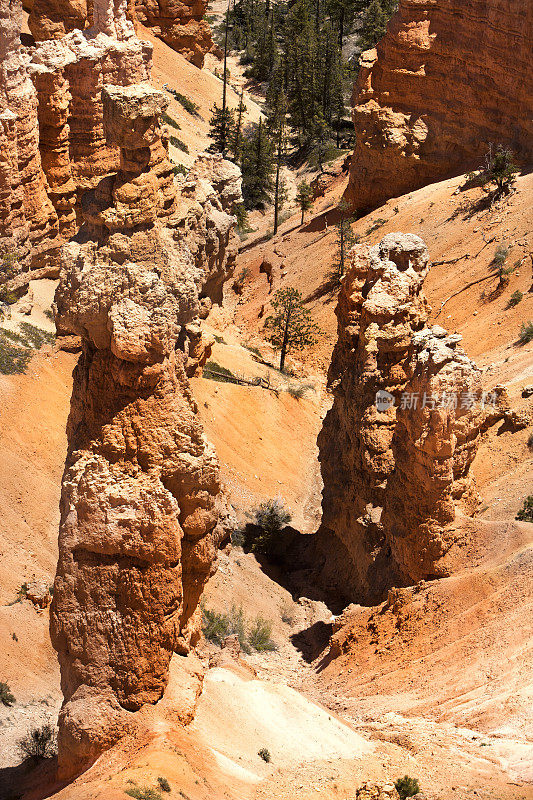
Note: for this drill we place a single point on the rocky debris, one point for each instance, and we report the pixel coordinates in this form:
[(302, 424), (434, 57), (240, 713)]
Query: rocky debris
[(377, 791), (141, 508), (39, 594), (406, 135), (180, 24), (397, 445), (527, 391)]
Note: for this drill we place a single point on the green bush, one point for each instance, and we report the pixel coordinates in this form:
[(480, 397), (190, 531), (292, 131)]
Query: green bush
[(271, 517), (260, 634), (216, 627), (264, 754), (39, 743), (144, 794), (179, 144), (164, 785), (407, 787), (14, 359), (224, 375), (179, 169), (299, 391), (6, 696), (186, 102), (526, 512), (526, 332), (170, 121), (35, 337), (515, 298)]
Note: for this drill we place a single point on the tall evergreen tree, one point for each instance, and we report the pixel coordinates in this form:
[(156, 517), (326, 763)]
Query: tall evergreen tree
[(257, 167), (345, 240), (304, 198), (237, 138), (221, 126)]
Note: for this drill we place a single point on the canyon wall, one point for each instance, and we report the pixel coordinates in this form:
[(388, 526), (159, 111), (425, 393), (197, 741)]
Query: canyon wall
[(396, 446), (447, 79), (51, 114), (28, 222), (180, 24)]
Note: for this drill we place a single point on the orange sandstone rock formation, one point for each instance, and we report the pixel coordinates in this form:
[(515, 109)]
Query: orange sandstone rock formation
[(141, 509), (180, 24), (28, 222), (447, 79), (397, 444)]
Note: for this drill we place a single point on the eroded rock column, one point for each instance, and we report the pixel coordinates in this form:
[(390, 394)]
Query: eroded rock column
[(140, 504), (396, 447)]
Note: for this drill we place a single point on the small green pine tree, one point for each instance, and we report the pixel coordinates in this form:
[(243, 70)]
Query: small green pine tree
[(290, 327), (304, 198)]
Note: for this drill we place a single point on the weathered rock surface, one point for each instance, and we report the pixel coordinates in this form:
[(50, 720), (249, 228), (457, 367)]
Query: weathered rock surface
[(398, 442), (141, 505), (447, 79), (28, 222), (180, 24)]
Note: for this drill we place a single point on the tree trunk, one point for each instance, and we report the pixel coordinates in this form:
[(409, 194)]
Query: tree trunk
[(224, 82), (278, 167)]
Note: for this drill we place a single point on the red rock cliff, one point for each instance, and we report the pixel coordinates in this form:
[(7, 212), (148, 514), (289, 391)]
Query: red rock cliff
[(447, 79)]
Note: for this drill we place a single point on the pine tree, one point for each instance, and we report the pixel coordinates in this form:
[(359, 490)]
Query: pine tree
[(221, 126), (345, 239), (257, 168), (304, 198), (278, 197), (374, 25), (237, 138), (290, 327)]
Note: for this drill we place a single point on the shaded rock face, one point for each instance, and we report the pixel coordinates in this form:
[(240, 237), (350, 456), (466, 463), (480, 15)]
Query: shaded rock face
[(141, 509), (181, 25), (393, 472), (447, 79)]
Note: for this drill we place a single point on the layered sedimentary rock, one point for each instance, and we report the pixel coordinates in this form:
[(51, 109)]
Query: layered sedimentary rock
[(28, 222), (397, 444), (180, 24), (448, 79), (141, 505)]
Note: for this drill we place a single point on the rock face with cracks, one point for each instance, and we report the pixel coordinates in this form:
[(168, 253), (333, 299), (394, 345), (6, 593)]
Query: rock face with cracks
[(141, 509), (394, 469), (28, 221), (448, 79), (181, 25)]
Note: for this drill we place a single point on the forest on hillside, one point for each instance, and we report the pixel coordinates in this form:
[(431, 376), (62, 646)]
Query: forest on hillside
[(295, 53)]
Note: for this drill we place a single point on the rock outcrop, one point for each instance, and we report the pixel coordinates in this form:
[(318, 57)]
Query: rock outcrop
[(447, 79), (397, 444), (179, 24), (28, 222), (141, 507)]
